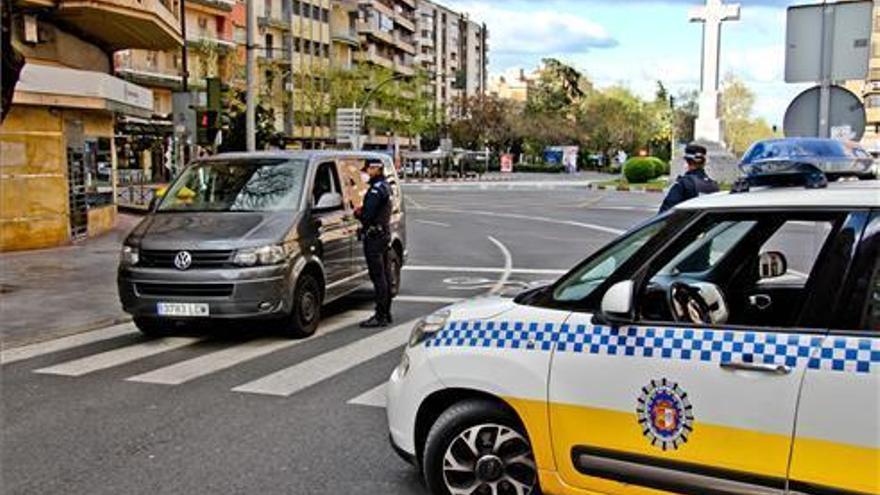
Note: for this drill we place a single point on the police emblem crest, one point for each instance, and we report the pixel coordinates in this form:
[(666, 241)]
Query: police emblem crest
[(665, 414)]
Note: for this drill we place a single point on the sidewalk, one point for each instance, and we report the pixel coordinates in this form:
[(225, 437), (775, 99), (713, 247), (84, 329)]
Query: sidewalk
[(49, 293)]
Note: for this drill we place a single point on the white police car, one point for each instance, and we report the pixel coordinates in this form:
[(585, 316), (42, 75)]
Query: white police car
[(730, 346)]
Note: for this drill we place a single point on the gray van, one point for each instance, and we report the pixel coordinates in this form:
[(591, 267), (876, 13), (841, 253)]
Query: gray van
[(268, 236)]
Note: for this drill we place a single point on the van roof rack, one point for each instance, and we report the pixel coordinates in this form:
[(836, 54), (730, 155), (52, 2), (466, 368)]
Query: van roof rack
[(783, 172)]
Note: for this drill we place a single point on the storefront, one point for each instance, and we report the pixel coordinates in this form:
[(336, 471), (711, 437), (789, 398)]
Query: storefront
[(57, 155)]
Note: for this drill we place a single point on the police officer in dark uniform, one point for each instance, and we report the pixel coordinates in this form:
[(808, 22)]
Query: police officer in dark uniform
[(692, 183), (375, 218)]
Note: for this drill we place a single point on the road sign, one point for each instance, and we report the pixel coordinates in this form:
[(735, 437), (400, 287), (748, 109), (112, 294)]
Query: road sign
[(846, 116), (848, 41), (348, 124)]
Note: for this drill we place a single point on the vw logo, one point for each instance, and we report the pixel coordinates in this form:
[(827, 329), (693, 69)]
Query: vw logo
[(182, 260)]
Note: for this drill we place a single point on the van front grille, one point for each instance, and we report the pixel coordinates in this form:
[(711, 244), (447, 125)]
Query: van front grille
[(184, 290), (152, 258)]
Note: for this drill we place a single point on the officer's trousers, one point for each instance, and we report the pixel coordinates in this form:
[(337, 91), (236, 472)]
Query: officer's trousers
[(376, 252)]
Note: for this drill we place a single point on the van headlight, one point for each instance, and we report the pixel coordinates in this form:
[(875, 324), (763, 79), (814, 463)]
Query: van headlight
[(428, 326), (263, 255), (129, 256)]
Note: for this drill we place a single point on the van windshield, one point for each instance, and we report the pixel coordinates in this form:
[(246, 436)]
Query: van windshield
[(237, 185)]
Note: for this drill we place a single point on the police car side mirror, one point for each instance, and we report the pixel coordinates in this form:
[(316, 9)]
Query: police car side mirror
[(772, 264), (617, 302)]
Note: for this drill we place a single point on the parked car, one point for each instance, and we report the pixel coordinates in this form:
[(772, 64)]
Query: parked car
[(834, 158), (269, 236), (731, 345)]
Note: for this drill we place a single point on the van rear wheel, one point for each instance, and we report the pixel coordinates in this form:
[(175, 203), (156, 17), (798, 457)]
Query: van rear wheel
[(305, 313)]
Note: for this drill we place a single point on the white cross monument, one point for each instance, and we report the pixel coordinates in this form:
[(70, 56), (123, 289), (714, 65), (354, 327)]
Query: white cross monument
[(708, 125)]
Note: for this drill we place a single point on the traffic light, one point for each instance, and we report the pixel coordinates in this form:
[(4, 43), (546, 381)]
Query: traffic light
[(207, 125)]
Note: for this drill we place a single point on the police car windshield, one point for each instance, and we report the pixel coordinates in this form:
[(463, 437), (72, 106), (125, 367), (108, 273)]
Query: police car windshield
[(237, 185), (581, 283)]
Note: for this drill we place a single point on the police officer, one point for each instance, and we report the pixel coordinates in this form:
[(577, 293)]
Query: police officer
[(692, 183), (375, 218)]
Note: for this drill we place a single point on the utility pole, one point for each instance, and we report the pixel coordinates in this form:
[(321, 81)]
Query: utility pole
[(184, 58), (251, 96)]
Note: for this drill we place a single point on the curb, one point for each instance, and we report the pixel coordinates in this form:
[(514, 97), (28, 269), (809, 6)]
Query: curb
[(451, 180), (48, 334)]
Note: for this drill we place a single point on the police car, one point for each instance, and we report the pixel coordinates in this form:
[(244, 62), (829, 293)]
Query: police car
[(729, 346)]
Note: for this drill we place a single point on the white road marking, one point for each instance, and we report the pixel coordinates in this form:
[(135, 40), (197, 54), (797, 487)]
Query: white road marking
[(508, 266), (109, 359), (481, 269), (437, 224), (375, 397), (300, 376), (30, 351), (600, 228), (428, 299), (220, 360), (415, 203)]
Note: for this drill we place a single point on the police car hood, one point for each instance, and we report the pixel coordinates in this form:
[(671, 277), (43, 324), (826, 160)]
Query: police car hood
[(483, 308)]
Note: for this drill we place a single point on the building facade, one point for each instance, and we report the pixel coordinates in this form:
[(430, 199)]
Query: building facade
[(452, 50), (57, 150), (511, 86), (869, 89)]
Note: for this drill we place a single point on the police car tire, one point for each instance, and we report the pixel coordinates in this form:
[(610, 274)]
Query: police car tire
[(296, 324), (452, 422), (152, 327)]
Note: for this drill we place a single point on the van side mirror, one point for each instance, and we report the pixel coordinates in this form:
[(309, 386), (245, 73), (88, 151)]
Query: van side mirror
[(329, 201), (617, 303)]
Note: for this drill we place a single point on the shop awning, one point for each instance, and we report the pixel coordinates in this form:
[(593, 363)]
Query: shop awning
[(72, 88)]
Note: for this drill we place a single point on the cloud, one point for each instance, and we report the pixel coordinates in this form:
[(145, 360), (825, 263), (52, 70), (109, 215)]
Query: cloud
[(544, 32)]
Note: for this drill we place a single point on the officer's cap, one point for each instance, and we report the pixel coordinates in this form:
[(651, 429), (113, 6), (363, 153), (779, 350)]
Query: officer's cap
[(695, 153), (371, 163)]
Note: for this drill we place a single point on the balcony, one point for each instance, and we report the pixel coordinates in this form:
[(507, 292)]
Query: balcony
[(121, 24), (206, 37), (345, 35), (406, 70), (373, 30), (374, 58), (405, 22), (146, 68), (274, 22), (224, 5), (872, 87)]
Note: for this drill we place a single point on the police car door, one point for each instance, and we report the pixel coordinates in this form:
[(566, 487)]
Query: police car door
[(654, 401), (837, 440)]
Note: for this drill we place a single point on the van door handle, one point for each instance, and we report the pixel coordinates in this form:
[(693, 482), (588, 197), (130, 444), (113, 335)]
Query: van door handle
[(778, 369)]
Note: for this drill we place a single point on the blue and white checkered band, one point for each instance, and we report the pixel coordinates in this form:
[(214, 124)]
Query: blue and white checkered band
[(834, 353)]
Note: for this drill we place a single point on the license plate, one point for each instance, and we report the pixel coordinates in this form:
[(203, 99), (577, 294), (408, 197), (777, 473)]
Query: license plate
[(182, 309)]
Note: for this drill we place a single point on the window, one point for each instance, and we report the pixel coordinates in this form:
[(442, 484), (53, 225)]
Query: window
[(872, 310), (708, 249), (586, 279), (326, 181), (269, 48), (325, 15), (316, 12), (267, 8), (242, 185), (801, 242), (872, 101), (296, 7)]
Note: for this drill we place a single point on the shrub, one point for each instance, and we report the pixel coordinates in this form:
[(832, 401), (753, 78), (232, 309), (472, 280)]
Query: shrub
[(639, 170), (660, 167)]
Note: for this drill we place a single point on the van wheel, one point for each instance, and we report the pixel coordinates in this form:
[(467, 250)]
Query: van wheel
[(394, 266), (306, 311), (477, 447), (151, 327)]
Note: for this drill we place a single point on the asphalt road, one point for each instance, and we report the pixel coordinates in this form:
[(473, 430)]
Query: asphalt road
[(245, 411)]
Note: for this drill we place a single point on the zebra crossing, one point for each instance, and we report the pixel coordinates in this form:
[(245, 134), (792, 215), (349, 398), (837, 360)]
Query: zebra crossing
[(282, 382)]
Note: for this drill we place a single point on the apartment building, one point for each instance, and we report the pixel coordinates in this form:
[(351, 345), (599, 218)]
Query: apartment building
[(147, 148), (452, 49), (869, 89), (57, 150)]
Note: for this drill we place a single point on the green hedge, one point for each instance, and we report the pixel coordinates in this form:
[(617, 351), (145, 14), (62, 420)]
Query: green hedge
[(641, 169)]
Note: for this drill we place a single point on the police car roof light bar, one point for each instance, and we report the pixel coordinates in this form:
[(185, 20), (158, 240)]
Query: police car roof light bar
[(781, 173)]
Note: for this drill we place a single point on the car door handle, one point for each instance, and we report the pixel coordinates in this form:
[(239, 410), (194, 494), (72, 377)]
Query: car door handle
[(760, 301), (778, 369)]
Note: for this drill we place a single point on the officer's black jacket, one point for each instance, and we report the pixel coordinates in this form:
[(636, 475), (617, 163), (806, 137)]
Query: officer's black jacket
[(377, 204), (688, 186)]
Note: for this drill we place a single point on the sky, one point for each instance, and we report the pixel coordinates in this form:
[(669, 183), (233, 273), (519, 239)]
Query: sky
[(637, 42)]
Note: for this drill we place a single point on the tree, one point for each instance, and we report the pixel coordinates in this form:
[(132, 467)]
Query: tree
[(558, 87), (487, 120), (740, 128), (684, 118), (615, 119)]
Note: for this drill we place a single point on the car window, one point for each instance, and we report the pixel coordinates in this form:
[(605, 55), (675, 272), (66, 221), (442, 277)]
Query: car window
[(326, 181), (237, 185), (584, 281), (708, 248), (800, 241)]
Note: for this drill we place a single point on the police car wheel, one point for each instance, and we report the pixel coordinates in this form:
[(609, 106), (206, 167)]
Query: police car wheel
[(477, 447), (394, 267), (306, 311)]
